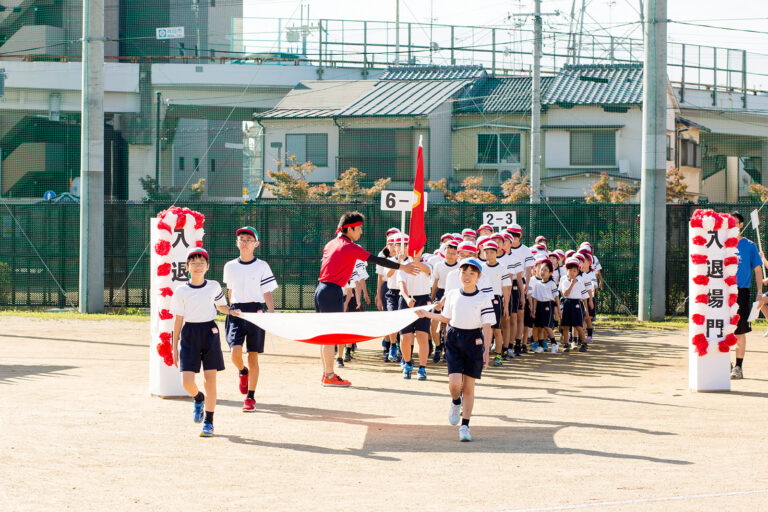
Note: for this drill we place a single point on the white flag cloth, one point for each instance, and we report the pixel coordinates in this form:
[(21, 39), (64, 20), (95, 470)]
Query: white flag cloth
[(334, 328)]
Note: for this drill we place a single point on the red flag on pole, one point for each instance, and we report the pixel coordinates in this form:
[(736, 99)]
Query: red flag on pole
[(417, 237)]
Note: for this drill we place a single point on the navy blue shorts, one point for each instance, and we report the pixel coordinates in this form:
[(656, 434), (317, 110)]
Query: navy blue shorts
[(573, 315), (384, 289), (199, 343), (514, 301), (592, 311), (463, 352), (544, 313), (241, 331), (439, 294), (527, 318), (498, 303), (392, 300), (422, 324), (329, 298)]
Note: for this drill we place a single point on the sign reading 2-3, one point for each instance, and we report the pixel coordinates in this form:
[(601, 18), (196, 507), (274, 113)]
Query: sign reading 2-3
[(500, 219)]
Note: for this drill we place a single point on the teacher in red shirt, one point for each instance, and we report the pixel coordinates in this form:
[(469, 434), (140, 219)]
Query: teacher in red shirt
[(339, 257)]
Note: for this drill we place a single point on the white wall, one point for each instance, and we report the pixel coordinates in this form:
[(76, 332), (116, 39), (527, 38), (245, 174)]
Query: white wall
[(141, 161), (275, 131), (441, 152)]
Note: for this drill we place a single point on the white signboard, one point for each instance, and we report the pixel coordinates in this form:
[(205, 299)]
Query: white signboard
[(169, 33), (500, 219), (399, 200)]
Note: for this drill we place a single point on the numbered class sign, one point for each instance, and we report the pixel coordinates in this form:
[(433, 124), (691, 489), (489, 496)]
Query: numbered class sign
[(399, 200), (500, 219)]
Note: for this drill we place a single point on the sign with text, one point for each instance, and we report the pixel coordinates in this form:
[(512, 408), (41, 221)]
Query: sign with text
[(399, 200), (500, 219), (169, 33)]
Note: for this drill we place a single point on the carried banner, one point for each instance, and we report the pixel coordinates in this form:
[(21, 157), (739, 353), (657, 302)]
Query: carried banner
[(334, 328)]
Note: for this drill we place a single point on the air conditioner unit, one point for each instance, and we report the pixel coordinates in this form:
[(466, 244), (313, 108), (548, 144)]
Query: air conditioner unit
[(624, 166), (504, 175)]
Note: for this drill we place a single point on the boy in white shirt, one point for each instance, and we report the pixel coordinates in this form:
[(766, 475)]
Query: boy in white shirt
[(498, 275), (249, 282), (415, 291), (573, 291), (196, 339), (469, 315), (439, 273)]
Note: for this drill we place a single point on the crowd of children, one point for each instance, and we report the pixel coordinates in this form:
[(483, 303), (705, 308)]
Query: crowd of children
[(494, 299)]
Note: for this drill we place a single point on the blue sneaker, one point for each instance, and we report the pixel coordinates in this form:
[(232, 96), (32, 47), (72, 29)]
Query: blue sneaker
[(199, 409), (393, 353), (544, 346), (407, 370), (207, 430), (422, 374), (534, 346)]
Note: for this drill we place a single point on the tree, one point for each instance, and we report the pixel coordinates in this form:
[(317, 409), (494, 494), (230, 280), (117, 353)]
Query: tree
[(603, 193), (515, 189), (347, 186), (472, 193), (197, 190), (677, 191), (759, 190), (157, 194)]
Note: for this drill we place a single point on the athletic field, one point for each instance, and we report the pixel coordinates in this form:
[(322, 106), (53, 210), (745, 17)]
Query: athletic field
[(613, 429)]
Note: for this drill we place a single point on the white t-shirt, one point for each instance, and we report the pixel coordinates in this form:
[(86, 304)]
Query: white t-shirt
[(468, 311), (557, 274), (197, 303), (515, 265), (496, 276), (392, 283), (523, 254), (453, 282), (440, 271), (596, 264), (578, 292), (382, 271), (420, 284), (590, 276), (542, 291), (586, 280), (249, 281)]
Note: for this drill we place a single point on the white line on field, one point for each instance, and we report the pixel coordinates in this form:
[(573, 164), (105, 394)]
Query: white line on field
[(641, 500)]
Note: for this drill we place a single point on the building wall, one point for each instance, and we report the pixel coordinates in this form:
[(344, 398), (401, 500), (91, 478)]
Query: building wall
[(440, 143), (275, 132)]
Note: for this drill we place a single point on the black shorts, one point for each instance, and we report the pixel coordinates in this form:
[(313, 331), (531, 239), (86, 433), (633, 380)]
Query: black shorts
[(199, 343), (498, 303), (439, 294), (592, 310), (463, 353), (422, 324), (329, 298), (239, 330), (745, 308), (544, 313), (514, 301), (573, 315), (527, 319), (392, 300)]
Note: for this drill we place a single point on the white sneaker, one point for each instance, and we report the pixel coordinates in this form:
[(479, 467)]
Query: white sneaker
[(574, 345), (553, 348), (539, 350), (454, 414), (464, 434), (737, 373)]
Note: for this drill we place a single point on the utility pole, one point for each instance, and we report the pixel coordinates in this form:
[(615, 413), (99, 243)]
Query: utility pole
[(653, 208), (91, 272), (397, 32), (157, 145), (536, 108)]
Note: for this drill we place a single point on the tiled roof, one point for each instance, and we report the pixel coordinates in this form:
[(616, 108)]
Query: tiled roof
[(500, 95), (317, 99), (433, 73), (404, 98), (297, 113), (596, 84)]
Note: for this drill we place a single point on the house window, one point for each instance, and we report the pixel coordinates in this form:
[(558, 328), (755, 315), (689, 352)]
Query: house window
[(670, 151), (382, 152), (593, 147), (213, 165), (181, 163), (498, 148), (689, 153), (197, 164), (308, 147)]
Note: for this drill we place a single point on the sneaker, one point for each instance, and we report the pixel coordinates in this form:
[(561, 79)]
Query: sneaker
[(353, 350), (422, 374), (553, 350), (737, 373), (518, 351), (335, 381), (589, 339), (505, 356), (339, 362), (524, 349), (243, 384), (399, 355), (464, 434), (574, 345), (207, 430), (544, 346), (199, 409), (567, 347), (454, 414), (393, 353), (539, 348), (347, 356), (249, 405), (407, 370), (438, 353), (497, 360), (583, 347), (535, 346)]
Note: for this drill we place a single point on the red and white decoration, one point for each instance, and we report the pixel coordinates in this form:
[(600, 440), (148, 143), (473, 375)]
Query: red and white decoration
[(172, 233), (713, 292)]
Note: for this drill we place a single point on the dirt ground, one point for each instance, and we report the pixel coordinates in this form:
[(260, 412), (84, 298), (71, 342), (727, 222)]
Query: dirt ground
[(614, 429)]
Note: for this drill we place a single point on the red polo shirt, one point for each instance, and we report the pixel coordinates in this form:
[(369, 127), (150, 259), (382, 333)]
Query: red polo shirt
[(339, 257)]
